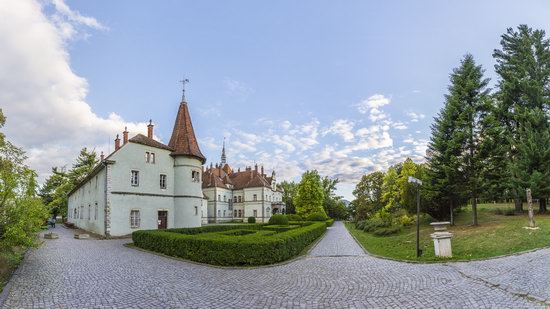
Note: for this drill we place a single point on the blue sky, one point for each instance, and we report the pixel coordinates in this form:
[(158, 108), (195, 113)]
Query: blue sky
[(342, 87)]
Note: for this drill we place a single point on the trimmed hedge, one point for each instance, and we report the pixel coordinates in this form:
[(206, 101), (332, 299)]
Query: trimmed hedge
[(317, 216), (251, 220), (209, 244), (278, 220), (280, 228), (294, 217), (329, 222)]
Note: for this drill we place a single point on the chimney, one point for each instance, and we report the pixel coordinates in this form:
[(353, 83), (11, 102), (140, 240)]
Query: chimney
[(117, 143), (256, 168), (263, 171), (125, 135), (101, 157), (150, 129)]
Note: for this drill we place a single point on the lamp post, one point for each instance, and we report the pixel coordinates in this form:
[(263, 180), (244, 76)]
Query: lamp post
[(418, 182)]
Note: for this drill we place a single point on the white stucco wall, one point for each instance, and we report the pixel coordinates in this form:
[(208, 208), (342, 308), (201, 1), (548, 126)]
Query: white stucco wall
[(87, 196)]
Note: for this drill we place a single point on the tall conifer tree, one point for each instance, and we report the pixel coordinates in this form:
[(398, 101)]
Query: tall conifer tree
[(523, 65)]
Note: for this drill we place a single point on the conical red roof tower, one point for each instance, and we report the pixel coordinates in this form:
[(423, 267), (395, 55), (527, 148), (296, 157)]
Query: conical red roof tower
[(183, 139)]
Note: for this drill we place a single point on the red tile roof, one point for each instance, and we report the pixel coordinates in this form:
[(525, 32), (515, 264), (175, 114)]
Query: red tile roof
[(183, 139)]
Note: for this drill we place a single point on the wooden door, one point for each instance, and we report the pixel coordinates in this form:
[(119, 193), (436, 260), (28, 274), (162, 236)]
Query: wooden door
[(162, 219)]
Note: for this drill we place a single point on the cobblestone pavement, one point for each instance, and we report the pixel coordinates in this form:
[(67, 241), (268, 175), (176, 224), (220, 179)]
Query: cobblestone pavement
[(69, 273)]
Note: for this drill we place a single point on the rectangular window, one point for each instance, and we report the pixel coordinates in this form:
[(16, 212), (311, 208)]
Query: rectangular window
[(224, 213), (147, 157), (95, 211), (89, 211), (134, 219), (153, 158), (219, 197), (195, 176), (235, 213), (240, 198), (135, 178), (255, 197), (255, 213), (240, 213), (196, 210), (219, 213), (162, 181), (234, 199), (225, 198)]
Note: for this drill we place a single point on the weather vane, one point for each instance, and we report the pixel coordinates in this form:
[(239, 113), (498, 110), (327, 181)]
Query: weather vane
[(183, 82)]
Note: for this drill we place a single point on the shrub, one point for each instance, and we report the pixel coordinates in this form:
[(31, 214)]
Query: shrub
[(509, 212), (278, 220), (373, 224), (317, 216), (329, 222), (251, 220), (259, 248), (406, 220), (294, 217), (360, 224), (280, 228), (385, 231)]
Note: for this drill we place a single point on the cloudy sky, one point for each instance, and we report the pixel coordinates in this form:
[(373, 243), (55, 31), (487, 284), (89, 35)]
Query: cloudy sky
[(344, 88)]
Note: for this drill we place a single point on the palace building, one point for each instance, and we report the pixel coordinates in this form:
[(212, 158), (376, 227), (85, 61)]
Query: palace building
[(145, 184), (237, 195)]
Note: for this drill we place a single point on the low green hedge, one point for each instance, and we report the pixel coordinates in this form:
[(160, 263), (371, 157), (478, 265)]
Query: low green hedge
[(329, 222), (209, 244), (278, 220), (280, 228)]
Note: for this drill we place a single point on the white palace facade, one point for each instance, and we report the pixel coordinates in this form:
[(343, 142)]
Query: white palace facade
[(145, 184)]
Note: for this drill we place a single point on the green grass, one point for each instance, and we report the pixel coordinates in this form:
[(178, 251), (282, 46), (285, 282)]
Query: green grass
[(494, 236), (8, 263)]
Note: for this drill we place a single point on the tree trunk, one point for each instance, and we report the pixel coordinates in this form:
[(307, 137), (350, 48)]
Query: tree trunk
[(474, 209), (542, 205), (518, 202)]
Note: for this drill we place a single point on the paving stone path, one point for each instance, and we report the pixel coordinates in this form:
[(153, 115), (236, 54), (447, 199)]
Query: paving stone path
[(69, 273)]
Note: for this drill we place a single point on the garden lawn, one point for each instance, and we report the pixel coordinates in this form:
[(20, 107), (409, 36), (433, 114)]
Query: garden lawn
[(494, 236)]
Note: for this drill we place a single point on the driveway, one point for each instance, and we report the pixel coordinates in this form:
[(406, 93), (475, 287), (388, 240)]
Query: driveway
[(70, 273)]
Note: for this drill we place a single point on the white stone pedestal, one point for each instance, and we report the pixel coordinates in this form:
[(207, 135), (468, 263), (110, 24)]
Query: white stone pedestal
[(442, 244), (442, 239)]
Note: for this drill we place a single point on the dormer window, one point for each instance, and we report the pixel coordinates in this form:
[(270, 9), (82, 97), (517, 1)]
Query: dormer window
[(149, 157)]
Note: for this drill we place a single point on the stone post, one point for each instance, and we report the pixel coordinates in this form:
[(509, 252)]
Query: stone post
[(442, 239), (531, 214)]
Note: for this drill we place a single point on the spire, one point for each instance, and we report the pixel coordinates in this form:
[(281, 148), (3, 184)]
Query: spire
[(183, 140), (183, 82), (223, 152)]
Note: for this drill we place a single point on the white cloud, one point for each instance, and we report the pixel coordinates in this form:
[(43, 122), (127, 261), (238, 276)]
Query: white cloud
[(373, 102), (70, 22), (237, 88), (342, 127), (42, 98), (415, 117)]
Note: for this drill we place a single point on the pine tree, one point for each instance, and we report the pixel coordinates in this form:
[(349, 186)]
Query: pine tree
[(531, 169), (455, 146), (523, 65)]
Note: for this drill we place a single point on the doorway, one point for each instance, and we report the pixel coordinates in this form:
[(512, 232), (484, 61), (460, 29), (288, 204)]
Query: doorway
[(162, 222)]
